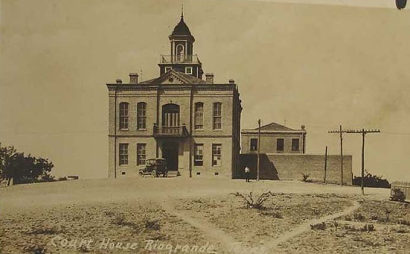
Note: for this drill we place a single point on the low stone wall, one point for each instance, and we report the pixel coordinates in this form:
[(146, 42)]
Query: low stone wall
[(292, 166)]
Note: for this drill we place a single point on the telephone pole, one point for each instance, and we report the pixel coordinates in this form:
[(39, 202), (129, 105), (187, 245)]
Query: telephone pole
[(340, 131), (363, 132), (259, 150), (324, 178)]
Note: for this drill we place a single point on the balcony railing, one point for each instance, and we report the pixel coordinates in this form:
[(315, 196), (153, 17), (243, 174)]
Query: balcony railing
[(175, 131), (168, 59)]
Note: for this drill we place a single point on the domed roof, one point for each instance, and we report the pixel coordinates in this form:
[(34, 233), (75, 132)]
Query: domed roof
[(181, 28)]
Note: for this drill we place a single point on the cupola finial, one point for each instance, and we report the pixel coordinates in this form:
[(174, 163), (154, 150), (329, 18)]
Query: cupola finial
[(182, 11)]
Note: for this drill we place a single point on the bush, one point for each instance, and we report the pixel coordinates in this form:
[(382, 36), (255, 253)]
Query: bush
[(358, 217), (319, 226), (370, 180), (254, 202), (305, 177), (397, 195), (368, 228)]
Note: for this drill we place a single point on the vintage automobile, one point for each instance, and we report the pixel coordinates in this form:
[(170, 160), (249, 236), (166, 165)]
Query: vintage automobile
[(155, 167)]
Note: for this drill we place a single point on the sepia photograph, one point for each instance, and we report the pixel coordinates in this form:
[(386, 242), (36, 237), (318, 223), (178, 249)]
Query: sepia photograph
[(204, 126)]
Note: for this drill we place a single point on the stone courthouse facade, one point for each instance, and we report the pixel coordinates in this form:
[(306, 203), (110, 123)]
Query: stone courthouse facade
[(192, 122)]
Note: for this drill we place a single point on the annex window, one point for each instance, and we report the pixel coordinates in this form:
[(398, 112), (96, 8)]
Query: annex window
[(254, 144), (123, 152), (216, 154), (141, 116), (280, 143), (217, 116), (295, 144), (141, 154), (199, 115), (188, 70), (199, 155), (123, 115)]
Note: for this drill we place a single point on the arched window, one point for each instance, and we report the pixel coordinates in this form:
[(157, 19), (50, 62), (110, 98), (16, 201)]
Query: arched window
[(123, 115), (141, 115), (180, 52), (199, 115), (217, 116)]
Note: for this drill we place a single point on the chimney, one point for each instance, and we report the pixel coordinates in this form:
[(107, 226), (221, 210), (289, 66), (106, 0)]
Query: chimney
[(119, 81), (133, 78), (231, 81), (209, 78)]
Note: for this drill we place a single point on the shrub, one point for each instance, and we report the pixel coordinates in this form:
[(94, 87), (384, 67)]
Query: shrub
[(368, 228), (305, 177), (358, 216), (254, 202), (397, 195), (370, 180), (319, 226), (152, 224)]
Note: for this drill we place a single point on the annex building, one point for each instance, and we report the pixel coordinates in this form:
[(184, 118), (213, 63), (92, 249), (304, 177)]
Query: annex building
[(275, 138), (190, 121)]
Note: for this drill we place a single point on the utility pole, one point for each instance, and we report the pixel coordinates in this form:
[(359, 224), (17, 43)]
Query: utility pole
[(363, 132), (259, 149), (340, 131), (324, 178)]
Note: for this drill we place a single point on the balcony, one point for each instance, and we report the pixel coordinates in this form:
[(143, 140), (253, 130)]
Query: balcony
[(170, 132), (180, 59)]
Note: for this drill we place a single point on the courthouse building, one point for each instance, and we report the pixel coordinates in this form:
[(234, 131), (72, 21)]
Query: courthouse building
[(192, 122)]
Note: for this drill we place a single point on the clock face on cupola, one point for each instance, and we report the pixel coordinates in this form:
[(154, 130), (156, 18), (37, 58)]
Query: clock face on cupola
[(181, 57)]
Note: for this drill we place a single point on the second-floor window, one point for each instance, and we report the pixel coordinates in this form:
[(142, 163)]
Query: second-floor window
[(123, 154), (123, 115), (199, 115), (295, 144), (217, 116), (280, 143), (141, 115), (141, 154), (254, 144)]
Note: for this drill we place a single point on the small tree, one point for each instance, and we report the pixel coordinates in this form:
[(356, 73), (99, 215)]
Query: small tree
[(23, 169)]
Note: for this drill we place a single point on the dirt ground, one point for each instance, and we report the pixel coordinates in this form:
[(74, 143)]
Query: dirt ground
[(200, 215)]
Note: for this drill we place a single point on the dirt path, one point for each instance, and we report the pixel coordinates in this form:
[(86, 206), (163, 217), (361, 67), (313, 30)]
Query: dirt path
[(215, 235), (306, 227), (231, 245)]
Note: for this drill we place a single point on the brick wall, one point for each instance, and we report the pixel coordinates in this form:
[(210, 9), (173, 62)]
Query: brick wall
[(292, 166)]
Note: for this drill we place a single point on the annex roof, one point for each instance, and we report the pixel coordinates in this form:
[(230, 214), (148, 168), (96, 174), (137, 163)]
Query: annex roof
[(274, 128)]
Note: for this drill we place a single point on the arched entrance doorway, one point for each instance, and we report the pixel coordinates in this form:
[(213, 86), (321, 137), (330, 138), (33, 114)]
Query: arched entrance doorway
[(170, 125)]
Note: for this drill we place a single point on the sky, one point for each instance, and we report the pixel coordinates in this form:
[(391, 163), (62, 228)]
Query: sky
[(295, 62)]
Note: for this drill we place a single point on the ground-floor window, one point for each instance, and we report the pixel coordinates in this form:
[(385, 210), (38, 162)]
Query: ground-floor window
[(123, 152), (199, 155), (216, 154), (141, 154)]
